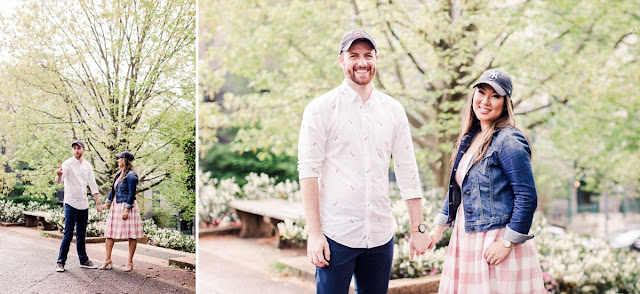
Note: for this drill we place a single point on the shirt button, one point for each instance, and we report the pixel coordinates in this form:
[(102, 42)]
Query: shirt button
[(468, 210), (467, 192), (472, 228)]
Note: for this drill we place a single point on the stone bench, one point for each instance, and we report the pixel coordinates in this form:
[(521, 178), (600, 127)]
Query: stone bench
[(260, 218), (37, 218)]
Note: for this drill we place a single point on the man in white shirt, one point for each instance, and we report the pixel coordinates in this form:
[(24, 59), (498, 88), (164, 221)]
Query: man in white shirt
[(76, 174), (346, 140)]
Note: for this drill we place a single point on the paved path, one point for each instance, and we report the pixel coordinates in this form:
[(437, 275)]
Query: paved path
[(228, 264), (29, 261)]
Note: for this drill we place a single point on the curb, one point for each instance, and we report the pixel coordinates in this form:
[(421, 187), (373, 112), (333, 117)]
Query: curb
[(228, 230), (58, 235), (427, 284), (185, 262), (11, 224)]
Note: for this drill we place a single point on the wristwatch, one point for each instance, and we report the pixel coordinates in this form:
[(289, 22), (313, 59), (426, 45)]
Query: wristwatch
[(420, 228), (507, 244)]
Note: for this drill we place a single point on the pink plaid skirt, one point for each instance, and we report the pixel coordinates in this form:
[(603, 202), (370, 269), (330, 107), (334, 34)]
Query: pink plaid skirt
[(118, 228), (466, 270)]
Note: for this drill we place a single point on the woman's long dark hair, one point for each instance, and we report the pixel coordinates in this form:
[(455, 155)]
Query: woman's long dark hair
[(124, 171), (470, 121)]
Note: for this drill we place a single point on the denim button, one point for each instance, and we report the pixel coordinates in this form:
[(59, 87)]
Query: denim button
[(472, 228), (467, 192), (468, 210)]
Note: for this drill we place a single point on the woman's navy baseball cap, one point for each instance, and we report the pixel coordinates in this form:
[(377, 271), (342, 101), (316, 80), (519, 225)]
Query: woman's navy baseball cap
[(498, 79), (126, 154)]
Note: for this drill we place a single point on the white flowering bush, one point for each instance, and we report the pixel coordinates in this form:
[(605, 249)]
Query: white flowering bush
[(422, 265), (216, 194), (95, 222), (161, 237), (12, 212), (576, 263), (293, 232), (168, 238), (570, 263)]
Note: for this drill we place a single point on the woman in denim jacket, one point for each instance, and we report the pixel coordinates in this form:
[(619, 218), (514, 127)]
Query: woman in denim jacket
[(491, 199), (123, 221)]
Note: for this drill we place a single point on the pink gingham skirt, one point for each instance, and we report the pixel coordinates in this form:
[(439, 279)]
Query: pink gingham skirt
[(118, 228), (466, 270)]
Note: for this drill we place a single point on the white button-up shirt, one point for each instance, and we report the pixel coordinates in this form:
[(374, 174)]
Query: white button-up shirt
[(77, 175), (347, 145)]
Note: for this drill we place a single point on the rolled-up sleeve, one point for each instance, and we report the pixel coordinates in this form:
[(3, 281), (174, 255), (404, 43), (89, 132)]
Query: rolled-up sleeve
[(132, 182), (515, 159), (404, 158), (311, 143), (92, 182)]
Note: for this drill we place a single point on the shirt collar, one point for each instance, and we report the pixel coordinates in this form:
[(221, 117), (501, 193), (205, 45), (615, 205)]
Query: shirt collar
[(353, 96), (76, 161)]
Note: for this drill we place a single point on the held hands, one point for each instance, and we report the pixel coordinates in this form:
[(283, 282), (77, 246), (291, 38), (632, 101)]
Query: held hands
[(419, 243), (100, 207), (436, 236), (497, 253), (318, 250)]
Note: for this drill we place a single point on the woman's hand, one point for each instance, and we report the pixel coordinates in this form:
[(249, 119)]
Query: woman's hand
[(435, 238), (497, 253), (125, 214)]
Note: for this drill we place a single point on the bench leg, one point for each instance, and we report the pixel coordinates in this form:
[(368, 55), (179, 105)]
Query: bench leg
[(253, 225), (31, 221), (278, 243)]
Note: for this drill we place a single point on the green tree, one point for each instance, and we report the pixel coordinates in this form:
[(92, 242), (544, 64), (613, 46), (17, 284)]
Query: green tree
[(430, 54), (117, 74)]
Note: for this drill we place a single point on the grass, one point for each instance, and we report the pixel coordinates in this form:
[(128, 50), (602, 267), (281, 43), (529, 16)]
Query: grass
[(283, 270)]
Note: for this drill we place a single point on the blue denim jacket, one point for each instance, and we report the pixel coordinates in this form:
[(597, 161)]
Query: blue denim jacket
[(125, 190), (498, 190)]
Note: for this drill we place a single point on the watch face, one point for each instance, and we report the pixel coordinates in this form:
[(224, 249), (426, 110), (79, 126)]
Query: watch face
[(507, 243), (422, 228)]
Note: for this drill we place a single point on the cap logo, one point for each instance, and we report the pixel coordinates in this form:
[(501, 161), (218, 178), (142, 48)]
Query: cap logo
[(494, 75), (357, 33)]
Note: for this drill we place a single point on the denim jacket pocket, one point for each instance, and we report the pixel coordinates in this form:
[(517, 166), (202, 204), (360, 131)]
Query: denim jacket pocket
[(490, 159)]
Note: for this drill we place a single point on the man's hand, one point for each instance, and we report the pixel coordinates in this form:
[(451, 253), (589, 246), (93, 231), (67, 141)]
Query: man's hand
[(419, 243), (125, 214), (100, 207), (59, 171), (318, 250)]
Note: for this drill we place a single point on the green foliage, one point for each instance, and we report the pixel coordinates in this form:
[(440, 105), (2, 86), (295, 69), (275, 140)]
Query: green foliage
[(180, 189), (163, 218), (26, 200), (7, 179), (116, 74), (575, 69), (223, 163)]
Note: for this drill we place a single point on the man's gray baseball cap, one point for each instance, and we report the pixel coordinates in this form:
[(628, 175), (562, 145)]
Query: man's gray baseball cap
[(77, 142), (352, 36), (498, 79)]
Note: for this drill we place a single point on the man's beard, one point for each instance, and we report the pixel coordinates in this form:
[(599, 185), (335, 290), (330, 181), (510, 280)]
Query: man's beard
[(365, 80)]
